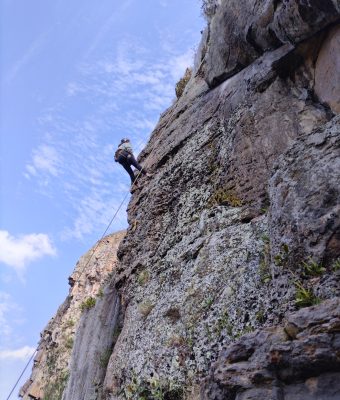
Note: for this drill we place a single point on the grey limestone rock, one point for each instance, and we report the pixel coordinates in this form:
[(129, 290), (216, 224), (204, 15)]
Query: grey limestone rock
[(270, 364), (241, 31)]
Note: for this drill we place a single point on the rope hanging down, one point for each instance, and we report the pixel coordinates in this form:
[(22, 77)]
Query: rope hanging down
[(83, 269), (26, 366)]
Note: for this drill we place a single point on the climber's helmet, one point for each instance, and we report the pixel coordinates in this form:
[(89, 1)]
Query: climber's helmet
[(124, 140)]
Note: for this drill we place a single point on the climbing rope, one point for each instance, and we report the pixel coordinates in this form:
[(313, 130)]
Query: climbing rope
[(22, 373), (82, 270)]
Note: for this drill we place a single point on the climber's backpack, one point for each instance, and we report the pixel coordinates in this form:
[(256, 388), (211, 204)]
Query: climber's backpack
[(121, 152)]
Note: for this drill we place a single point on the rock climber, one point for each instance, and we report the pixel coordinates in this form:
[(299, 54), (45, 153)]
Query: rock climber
[(124, 156)]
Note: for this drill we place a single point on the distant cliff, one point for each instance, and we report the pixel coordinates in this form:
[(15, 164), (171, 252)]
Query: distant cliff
[(227, 285), (51, 365)]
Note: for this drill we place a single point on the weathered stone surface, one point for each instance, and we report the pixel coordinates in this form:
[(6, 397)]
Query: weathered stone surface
[(277, 367), (51, 364), (241, 31), (327, 77), (304, 196), (198, 239), (92, 348)]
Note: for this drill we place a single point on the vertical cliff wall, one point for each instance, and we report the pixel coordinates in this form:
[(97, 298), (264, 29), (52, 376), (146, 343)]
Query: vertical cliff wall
[(227, 285), (87, 282), (239, 224)]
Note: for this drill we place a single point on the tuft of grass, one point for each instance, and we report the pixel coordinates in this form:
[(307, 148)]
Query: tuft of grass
[(224, 198), (145, 308), (104, 357), (304, 297), (143, 278), (88, 303), (265, 238), (281, 259), (100, 293), (336, 265), (264, 265), (117, 331), (55, 388), (69, 323), (224, 323), (311, 268), (208, 303), (181, 84), (153, 389), (69, 342), (260, 316)]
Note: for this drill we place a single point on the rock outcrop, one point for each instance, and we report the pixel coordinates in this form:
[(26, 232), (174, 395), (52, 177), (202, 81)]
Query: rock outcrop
[(300, 360), (51, 364), (238, 227)]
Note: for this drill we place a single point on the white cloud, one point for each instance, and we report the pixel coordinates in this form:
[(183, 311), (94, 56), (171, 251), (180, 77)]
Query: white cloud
[(8, 309), (5, 307), (46, 159), (22, 353), (18, 252)]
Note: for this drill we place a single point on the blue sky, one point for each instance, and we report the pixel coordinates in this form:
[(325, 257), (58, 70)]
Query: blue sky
[(76, 76)]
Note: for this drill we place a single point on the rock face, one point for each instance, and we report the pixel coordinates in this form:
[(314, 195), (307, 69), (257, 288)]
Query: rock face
[(92, 348), (238, 227), (51, 365), (241, 214), (300, 360), (242, 30)]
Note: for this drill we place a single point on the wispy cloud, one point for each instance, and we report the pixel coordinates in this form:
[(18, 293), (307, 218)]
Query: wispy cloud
[(18, 252), (45, 159), (103, 31), (7, 309), (22, 353), (26, 57)]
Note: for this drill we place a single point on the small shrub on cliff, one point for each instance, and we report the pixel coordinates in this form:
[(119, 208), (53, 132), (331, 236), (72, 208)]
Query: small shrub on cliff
[(281, 258), (69, 342), (224, 198), (223, 323), (304, 297), (181, 84), (145, 308), (55, 388), (264, 265), (117, 331), (143, 278), (336, 265), (104, 357), (153, 389), (88, 303), (260, 316), (69, 323)]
